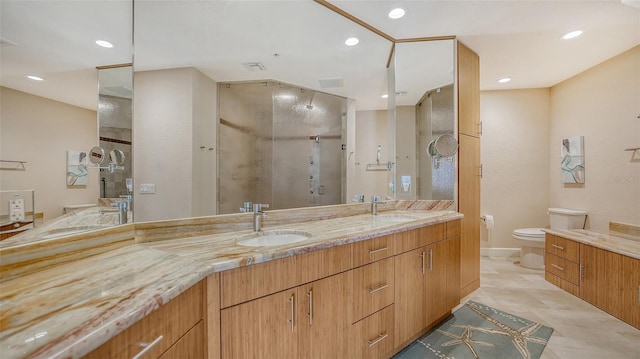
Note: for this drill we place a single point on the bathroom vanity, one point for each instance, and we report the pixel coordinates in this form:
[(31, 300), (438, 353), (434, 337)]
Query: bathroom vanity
[(185, 288), (602, 269)]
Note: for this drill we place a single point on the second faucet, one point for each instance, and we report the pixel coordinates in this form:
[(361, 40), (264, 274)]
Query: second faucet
[(257, 215)]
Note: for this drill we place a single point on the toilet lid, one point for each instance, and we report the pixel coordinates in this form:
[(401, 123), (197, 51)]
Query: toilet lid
[(529, 232)]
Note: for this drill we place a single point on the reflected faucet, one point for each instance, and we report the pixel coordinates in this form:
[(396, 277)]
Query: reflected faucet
[(122, 211), (246, 207), (257, 216), (374, 204)]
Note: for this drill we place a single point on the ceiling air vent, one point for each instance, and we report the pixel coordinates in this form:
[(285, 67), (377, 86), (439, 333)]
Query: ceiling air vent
[(254, 66), (331, 83)]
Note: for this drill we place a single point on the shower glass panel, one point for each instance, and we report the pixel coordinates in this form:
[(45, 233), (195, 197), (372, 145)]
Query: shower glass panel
[(279, 144), (435, 117)]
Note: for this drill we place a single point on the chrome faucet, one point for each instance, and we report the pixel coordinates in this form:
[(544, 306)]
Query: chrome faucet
[(122, 211), (374, 204), (257, 216), (246, 207)]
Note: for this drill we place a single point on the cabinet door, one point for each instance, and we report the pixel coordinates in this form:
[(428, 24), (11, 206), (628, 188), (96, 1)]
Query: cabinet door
[(191, 345), (631, 290), (262, 327), (592, 275), (442, 279), (410, 301), (323, 318), (469, 205)]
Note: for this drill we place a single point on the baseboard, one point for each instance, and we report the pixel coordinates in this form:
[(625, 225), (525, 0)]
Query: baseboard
[(499, 252)]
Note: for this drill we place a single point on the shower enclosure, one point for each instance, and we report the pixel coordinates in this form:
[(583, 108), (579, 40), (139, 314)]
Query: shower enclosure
[(279, 144), (435, 117)]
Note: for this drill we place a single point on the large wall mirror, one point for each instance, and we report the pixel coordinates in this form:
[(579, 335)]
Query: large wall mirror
[(188, 56), (49, 98)]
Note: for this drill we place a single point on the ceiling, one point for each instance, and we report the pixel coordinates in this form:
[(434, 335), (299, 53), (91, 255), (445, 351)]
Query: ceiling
[(301, 42)]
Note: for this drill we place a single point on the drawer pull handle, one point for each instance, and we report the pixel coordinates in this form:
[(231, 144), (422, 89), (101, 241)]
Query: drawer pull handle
[(310, 295), (378, 289), (377, 340), (556, 266), (292, 307), (422, 256), (378, 250), (148, 347), (557, 246), (430, 259), (581, 272)]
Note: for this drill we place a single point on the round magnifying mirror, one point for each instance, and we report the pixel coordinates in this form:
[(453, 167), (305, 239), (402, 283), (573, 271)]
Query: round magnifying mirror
[(96, 155), (443, 146), (117, 157)]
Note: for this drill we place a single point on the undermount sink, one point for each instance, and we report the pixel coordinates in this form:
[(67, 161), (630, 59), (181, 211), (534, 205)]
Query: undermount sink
[(273, 238), (395, 217)]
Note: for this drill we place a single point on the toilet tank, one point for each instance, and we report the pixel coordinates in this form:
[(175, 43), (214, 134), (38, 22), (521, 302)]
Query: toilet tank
[(562, 218)]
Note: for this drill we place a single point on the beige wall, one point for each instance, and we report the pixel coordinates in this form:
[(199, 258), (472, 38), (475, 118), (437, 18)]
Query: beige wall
[(602, 104), (370, 131), (170, 111), (522, 132), (515, 159), (40, 131)]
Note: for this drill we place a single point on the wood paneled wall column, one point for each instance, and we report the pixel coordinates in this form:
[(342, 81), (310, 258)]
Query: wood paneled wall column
[(469, 167)]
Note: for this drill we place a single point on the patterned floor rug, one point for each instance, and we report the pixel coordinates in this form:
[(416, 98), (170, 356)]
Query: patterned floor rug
[(480, 332)]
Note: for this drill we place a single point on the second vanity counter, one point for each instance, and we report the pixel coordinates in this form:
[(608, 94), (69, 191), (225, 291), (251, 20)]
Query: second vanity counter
[(69, 309)]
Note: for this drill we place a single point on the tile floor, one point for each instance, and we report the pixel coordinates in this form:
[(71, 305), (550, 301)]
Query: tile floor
[(582, 331)]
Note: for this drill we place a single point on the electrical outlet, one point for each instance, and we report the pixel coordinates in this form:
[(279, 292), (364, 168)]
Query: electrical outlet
[(16, 210), (148, 188)]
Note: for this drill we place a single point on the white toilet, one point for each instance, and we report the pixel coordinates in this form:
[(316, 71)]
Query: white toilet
[(532, 239)]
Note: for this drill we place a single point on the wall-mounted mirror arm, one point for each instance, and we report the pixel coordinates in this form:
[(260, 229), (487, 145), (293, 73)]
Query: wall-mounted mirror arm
[(97, 157)]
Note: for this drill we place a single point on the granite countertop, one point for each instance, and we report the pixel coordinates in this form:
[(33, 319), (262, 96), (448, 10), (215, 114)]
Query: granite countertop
[(70, 309), (613, 241)]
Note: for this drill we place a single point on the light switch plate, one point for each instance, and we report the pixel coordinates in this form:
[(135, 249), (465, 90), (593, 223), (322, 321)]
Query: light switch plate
[(148, 188)]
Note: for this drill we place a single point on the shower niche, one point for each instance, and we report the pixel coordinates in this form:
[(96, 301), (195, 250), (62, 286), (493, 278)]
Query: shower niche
[(279, 144)]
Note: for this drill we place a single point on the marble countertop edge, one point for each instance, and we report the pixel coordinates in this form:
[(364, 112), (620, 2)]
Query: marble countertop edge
[(612, 241)]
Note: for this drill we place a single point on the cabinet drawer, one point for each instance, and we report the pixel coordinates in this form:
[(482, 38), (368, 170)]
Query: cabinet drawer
[(372, 288), (163, 327), (247, 283), (373, 336), (372, 250), (191, 345), (562, 268), (454, 228), (564, 284), (562, 247), (412, 239)]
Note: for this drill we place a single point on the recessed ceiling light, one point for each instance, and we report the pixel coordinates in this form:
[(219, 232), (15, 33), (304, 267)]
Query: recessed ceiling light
[(385, 96), (104, 43), (397, 13), (504, 80), (35, 78), (352, 41), (572, 34)]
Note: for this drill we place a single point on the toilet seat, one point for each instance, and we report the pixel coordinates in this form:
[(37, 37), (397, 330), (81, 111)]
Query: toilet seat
[(529, 234)]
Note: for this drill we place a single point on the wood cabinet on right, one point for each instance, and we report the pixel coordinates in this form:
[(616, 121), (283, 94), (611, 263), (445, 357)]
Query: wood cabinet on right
[(608, 280)]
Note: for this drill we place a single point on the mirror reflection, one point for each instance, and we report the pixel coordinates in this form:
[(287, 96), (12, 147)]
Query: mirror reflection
[(49, 99)]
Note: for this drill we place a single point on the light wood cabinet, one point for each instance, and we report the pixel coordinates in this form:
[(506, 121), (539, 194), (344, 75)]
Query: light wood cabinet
[(372, 337), (371, 250), (295, 323), (427, 288), (608, 280), (160, 330), (469, 167), (265, 325), (372, 288), (469, 205)]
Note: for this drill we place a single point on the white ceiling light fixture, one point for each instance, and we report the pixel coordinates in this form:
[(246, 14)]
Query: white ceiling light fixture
[(104, 43), (352, 41), (572, 34), (35, 78), (385, 96), (504, 80), (397, 13)]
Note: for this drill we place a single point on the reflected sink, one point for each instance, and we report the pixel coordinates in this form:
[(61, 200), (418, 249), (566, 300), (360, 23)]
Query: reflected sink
[(273, 238), (395, 217), (54, 233)]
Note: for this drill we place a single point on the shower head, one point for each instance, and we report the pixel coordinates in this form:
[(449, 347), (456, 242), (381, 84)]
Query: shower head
[(310, 106)]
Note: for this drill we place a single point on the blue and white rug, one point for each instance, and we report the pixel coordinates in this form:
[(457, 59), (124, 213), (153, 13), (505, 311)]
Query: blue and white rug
[(478, 331)]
